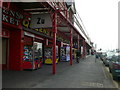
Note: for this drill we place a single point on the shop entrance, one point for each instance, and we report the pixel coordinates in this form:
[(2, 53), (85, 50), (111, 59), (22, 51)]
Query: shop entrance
[(33, 56), (4, 53), (65, 53), (37, 54), (48, 55)]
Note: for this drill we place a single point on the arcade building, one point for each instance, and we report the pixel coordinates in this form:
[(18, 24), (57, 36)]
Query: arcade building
[(37, 33)]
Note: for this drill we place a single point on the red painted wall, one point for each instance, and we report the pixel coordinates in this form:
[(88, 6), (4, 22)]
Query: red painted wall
[(15, 50), (16, 42)]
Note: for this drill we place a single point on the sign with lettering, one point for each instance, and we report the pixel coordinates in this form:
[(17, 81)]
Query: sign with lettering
[(11, 17), (41, 21), (47, 32), (4, 33), (42, 24)]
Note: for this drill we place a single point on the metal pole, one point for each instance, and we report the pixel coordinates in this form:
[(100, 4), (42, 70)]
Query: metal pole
[(78, 42), (33, 52), (1, 2), (54, 42), (71, 42), (66, 14), (83, 48)]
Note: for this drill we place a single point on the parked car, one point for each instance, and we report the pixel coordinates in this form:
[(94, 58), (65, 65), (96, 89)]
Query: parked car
[(106, 61), (103, 56), (114, 66), (108, 58)]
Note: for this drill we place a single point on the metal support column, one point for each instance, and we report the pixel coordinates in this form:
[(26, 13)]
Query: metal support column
[(54, 42), (84, 49), (1, 2), (71, 43), (66, 14), (78, 42)]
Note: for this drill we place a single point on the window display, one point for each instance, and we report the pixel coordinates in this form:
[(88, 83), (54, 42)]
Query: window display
[(37, 54), (48, 55), (32, 58), (65, 53), (27, 53)]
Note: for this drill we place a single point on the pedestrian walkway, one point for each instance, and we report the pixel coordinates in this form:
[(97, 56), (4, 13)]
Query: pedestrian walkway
[(86, 74)]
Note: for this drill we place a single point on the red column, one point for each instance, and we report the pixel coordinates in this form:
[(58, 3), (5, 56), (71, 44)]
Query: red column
[(1, 1), (15, 50), (84, 49), (66, 14), (71, 42), (54, 41), (78, 42)]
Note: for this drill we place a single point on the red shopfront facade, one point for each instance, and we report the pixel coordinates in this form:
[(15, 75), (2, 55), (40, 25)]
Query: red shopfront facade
[(18, 41), (14, 39), (4, 41), (12, 35)]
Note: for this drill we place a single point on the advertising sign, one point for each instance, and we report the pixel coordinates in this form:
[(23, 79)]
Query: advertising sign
[(41, 21), (11, 17)]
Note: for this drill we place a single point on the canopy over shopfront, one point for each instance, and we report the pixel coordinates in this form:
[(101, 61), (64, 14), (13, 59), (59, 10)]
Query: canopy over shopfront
[(53, 21)]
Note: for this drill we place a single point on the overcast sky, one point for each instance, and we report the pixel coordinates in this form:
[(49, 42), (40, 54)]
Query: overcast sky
[(100, 18)]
